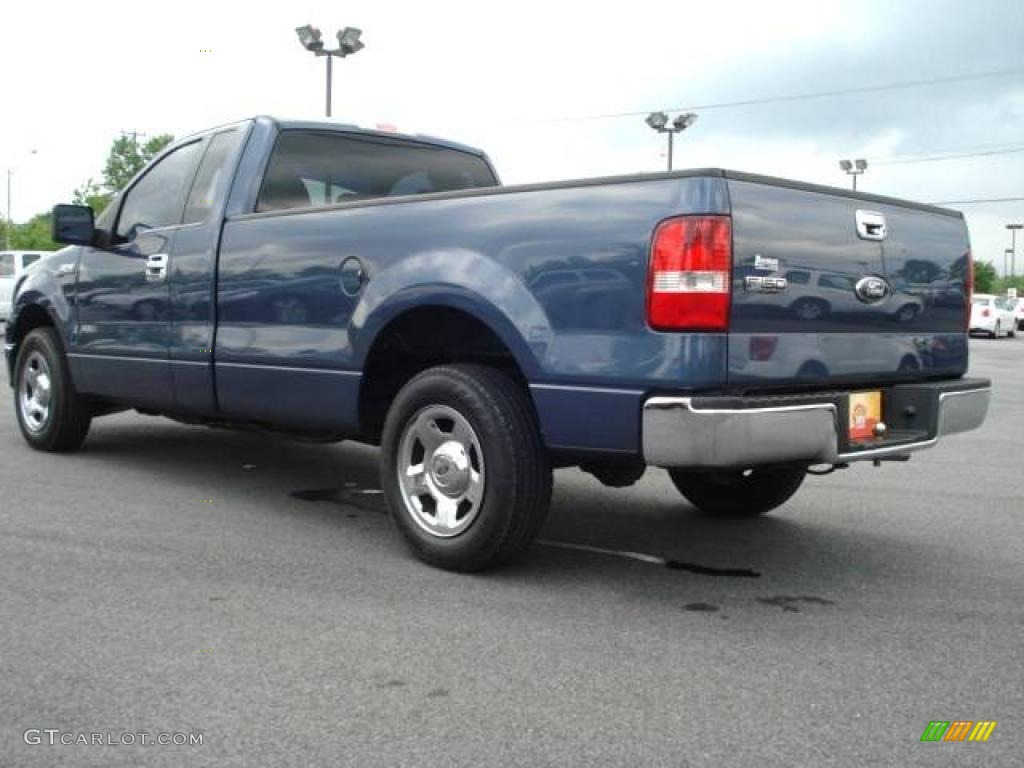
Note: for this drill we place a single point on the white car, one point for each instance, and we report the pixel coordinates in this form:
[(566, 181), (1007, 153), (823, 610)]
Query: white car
[(12, 264), (813, 294), (992, 315), (1018, 311)]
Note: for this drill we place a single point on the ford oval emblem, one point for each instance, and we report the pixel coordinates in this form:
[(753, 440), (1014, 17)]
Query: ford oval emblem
[(871, 289)]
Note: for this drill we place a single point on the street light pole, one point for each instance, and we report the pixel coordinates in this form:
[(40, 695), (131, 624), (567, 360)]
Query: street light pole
[(7, 229), (1013, 247), (348, 43), (659, 122), (1006, 261), (854, 169), (330, 60), (10, 216)]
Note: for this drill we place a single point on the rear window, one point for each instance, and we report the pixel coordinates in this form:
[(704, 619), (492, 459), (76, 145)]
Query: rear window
[(314, 168), (838, 282), (6, 265), (981, 302)]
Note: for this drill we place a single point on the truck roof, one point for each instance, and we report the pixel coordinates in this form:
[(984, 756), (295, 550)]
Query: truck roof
[(330, 125)]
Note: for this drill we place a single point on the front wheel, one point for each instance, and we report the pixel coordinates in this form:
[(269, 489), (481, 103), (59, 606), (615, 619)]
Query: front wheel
[(738, 493), (464, 469), (51, 415)]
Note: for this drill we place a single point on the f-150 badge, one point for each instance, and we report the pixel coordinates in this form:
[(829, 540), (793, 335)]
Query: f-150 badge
[(759, 284)]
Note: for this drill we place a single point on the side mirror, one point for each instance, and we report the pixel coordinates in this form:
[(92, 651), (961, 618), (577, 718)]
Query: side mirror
[(73, 225)]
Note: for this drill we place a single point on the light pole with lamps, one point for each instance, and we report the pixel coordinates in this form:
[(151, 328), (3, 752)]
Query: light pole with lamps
[(348, 43), (659, 122), (10, 218), (1013, 247), (854, 169)]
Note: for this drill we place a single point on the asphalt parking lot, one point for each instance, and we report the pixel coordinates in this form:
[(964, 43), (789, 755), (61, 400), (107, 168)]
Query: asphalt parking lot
[(176, 579)]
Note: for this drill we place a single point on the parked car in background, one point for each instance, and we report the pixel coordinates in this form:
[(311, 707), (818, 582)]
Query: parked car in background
[(1018, 311), (12, 264), (993, 315), (815, 294)]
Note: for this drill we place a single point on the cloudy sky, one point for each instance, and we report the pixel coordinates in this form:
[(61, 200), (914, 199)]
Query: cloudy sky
[(515, 78)]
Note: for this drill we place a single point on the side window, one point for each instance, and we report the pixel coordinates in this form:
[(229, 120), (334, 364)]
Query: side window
[(156, 200), (211, 171), (29, 258), (315, 168), (798, 277)]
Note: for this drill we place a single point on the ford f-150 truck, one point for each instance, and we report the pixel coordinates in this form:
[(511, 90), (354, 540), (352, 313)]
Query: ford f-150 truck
[(337, 283)]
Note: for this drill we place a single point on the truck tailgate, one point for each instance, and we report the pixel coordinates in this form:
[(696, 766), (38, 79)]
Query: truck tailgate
[(836, 286)]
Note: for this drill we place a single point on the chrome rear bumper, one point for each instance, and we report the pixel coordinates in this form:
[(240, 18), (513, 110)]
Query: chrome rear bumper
[(730, 432)]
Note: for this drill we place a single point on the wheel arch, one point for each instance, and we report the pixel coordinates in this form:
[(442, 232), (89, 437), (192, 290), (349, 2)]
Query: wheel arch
[(417, 332), (29, 317)]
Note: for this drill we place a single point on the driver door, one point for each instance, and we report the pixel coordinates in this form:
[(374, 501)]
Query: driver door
[(122, 298)]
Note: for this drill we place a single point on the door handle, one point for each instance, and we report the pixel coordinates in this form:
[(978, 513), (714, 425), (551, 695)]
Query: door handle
[(156, 266)]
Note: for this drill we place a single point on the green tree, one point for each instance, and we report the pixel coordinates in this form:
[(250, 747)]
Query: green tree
[(93, 195), (1003, 283), (34, 234), (984, 277), (127, 157)]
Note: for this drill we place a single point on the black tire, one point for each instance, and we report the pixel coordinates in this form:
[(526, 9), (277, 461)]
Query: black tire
[(517, 479), (810, 309), (738, 493), (69, 416), (906, 313)]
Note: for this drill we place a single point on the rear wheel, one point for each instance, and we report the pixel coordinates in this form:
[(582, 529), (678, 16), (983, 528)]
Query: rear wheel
[(738, 493), (465, 471), (51, 415)]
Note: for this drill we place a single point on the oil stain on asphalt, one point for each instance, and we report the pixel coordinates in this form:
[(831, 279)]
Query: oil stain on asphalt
[(370, 499), (700, 607), (789, 603)]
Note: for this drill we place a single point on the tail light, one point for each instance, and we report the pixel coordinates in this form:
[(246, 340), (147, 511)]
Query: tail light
[(688, 286), (986, 313)]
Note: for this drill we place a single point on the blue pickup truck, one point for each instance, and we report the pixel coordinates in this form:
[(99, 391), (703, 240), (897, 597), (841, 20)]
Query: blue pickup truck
[(328, 282)]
